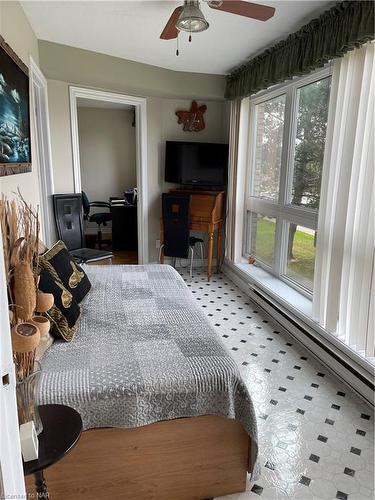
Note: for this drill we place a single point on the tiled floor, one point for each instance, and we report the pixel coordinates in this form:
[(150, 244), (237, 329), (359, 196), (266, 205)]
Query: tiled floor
[(316, 437)]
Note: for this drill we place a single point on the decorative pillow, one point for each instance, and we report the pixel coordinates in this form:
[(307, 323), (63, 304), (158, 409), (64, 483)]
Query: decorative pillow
[(58, 261), (65, 312)]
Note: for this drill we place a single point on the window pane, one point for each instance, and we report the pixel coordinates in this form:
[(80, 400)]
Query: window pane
[(313, 100), (301, 255), (268, 148), (261, 237)]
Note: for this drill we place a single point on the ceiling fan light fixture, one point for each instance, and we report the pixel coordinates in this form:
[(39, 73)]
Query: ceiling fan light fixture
[(191, 18)]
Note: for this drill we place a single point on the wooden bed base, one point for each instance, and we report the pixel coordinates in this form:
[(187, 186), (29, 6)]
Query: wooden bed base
[(183, 459)]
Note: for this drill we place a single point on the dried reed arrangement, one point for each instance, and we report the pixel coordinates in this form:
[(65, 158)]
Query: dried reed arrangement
[(24, 290), (20, 228)]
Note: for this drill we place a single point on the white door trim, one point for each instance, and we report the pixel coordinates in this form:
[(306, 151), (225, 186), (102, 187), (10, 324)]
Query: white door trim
[(11, 470), (42, 135), (141, 152)]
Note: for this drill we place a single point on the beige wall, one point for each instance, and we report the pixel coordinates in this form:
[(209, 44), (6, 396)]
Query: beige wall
[(65, 66), (107, 151), (17, 32), (84, 67)]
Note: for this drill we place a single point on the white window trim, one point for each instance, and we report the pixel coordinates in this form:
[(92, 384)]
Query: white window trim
[(42, 134), (282, 209)]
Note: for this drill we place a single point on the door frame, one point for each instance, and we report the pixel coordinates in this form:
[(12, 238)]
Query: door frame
[(12, 483), (141, 152), (42, 135)]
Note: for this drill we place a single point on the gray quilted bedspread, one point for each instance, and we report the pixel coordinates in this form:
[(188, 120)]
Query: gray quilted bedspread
[(144, 352)]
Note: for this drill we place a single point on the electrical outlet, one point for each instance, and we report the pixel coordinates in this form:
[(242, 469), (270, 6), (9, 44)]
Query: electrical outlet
[(157, 244)]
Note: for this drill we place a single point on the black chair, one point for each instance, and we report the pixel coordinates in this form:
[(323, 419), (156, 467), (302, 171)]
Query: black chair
[(177, 242), (99, 218), (69, 224)]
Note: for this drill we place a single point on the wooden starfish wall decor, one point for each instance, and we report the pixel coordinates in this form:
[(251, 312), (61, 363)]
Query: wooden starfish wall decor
[(192, 120)]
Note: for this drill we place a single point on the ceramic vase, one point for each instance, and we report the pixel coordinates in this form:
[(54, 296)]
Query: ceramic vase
[(44, 302), (42, 323), (25, 337)]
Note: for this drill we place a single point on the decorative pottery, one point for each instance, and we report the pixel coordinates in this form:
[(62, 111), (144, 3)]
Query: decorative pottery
[(44, 302), (42, 323), (25, 337), (26, 391)]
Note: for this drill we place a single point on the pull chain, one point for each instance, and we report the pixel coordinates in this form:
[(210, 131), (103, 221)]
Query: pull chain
[(190, 36), (177, 51)]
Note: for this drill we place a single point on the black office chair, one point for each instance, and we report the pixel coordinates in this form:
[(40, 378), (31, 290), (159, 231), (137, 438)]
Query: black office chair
[(69, 225), (177, 242), (99, 218)]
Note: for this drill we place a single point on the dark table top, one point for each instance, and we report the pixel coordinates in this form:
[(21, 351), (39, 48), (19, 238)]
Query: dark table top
[(62, 428)]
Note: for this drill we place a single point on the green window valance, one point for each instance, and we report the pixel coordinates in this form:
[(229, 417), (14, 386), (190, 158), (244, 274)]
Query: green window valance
[(344, 27)]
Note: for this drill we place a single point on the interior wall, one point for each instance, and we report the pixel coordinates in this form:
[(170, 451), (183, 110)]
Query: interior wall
[(17, 32), (161, 119), (85, 67), (107, 151)]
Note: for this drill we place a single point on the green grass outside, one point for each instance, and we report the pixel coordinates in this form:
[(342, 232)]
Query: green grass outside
[(265, 240), (302, 265)]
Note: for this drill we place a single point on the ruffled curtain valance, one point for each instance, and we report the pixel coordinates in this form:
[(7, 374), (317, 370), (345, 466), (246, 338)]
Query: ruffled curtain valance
[(344, 27)]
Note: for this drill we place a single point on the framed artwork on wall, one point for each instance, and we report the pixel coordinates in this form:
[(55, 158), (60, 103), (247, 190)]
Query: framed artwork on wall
[(15, 144)]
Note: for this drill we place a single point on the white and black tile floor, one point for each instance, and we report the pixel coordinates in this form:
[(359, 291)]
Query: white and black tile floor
[(316, 437)]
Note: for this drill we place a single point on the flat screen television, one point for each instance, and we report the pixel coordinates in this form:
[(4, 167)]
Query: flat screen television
[(196, 163)]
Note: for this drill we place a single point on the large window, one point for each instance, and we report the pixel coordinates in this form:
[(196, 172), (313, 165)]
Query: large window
[(288, 131)]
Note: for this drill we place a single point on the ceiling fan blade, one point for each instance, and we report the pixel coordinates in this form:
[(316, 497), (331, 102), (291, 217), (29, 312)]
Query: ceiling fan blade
[(246, 9), (170, 31)]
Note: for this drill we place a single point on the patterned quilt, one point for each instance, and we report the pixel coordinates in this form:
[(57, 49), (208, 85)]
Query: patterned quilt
[(144, 352)]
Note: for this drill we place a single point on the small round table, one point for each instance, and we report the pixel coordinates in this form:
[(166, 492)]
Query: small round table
[(62, 428)]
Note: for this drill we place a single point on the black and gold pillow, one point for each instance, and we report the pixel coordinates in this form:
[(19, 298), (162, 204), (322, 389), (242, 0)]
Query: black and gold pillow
[(59, 261), (65, 312)]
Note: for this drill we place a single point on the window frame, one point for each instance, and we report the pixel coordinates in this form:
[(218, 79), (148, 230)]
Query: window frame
[(282, 209)]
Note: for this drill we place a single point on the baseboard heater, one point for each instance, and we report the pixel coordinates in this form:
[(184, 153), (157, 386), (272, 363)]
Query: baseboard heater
[(344, 367)]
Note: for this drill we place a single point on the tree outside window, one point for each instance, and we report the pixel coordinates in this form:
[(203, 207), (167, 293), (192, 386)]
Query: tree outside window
[(285, 181)]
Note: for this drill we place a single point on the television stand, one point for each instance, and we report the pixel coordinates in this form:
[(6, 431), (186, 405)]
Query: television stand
[(199, 189)]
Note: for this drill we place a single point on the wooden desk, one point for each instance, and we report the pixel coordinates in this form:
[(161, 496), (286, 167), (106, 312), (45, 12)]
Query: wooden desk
[(206, 215)]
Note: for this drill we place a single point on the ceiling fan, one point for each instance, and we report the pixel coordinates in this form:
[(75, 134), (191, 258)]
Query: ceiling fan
[(190, 18)]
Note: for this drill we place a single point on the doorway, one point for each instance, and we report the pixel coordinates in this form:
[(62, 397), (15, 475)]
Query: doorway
[(109, 162), (107, 150)]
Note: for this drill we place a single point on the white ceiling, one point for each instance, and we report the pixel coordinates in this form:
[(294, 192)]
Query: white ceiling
[(131, 29)]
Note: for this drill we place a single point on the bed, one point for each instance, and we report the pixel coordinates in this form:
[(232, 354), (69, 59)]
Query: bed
[(165, 412)]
